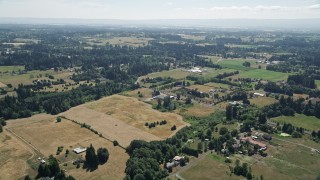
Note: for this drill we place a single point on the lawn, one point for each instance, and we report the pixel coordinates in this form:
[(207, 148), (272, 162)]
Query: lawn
[(300, 120), (263, 74)]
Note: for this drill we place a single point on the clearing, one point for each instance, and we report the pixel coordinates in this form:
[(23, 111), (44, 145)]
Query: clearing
[(263, 74), (300, 120)]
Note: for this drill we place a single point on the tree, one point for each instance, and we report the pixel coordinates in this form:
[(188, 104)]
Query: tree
[(200, 147), (115, 143), (103, 155), (1, 129), (223, 131), (91, 158), (229, 113), (182, 162), (262, 118), (173, 128), (317, 110), (188, 100), (58, 119)]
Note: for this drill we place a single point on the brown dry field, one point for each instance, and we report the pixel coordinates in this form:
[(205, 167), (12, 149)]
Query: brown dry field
[(146, 92), (199, 110), (123, 119), (2, 85), (49, 135), (13, 157)]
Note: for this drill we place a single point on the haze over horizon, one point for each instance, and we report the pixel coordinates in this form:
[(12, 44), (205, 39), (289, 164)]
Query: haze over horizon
[(161, 9)]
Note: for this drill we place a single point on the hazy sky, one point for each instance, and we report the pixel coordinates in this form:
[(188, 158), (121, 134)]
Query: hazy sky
[(161, 9)]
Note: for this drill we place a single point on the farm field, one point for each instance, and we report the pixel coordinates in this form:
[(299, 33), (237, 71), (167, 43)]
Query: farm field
[(4, 69), (136, 113), (263, 74), (262, 101), (192, 37), (13, 157), (198, 110), (27, 78), (237, 64), (300, 120), (69, 135), (217, 85)]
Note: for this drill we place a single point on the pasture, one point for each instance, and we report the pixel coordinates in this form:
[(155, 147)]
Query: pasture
[(174, 73), (262, 101), (13, 157), (300, 120), (9, 69), (46, 135), (198, 110), (27, 78), (263, 74), (208, 168), (136, 113), (236, 64)]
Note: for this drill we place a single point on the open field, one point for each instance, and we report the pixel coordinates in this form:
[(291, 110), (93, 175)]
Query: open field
[(136, 113), (209, 168), (27, 78), (262, 101), (146, 93), (198, 110), (46, 135), (175, 74), (121, 41), (263, 74), (13, 157), (300, 120), (236, 64), (9, 69)]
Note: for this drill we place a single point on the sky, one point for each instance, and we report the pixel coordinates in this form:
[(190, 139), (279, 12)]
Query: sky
[(161, 9)]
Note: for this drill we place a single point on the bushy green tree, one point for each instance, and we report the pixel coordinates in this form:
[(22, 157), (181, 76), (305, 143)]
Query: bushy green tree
[(103, 155)]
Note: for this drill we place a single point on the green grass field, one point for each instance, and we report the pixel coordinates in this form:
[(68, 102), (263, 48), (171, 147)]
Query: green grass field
[(237, 64), (300, 120), (263, 74), (11, 68)]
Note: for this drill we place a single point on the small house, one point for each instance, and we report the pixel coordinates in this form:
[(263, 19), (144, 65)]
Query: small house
[(79, 150)]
